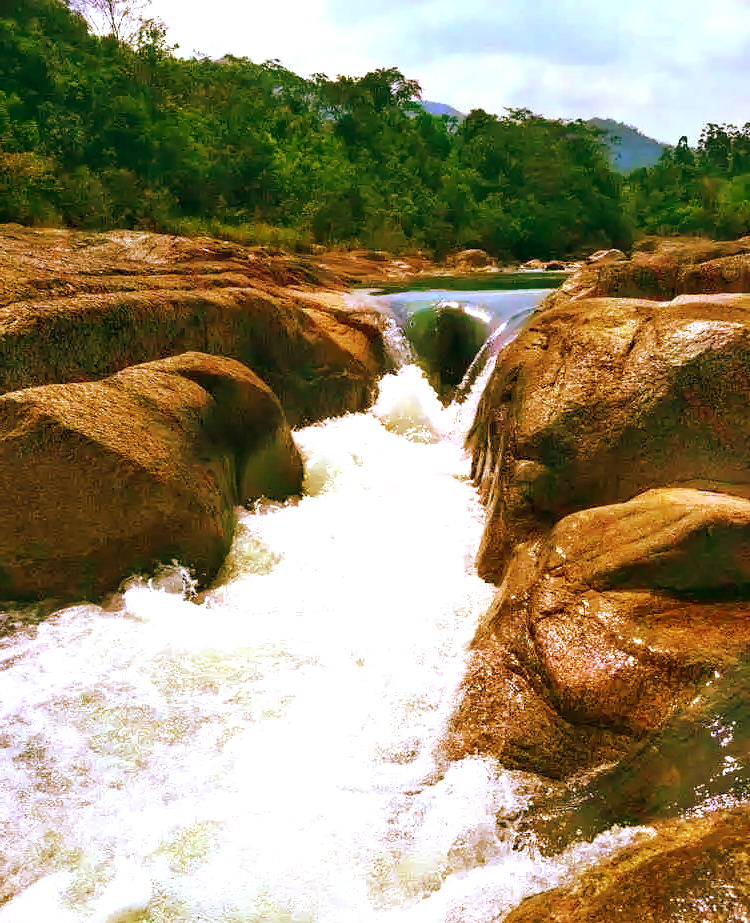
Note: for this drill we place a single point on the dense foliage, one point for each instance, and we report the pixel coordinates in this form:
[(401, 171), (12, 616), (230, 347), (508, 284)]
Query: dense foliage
[(99, 132), (706, 191)]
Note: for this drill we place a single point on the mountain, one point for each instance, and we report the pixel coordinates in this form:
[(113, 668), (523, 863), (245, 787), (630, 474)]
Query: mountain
[(635, 150), (442, 109)]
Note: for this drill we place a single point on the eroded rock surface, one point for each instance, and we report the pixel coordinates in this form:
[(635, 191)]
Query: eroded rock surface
[(77, 307), (106, 478), (612, 447), (601, 399), (601, 631), (660, 269), (689, 870)]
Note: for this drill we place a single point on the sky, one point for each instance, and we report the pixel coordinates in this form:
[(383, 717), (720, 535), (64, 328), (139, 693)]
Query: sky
[(666, 67)]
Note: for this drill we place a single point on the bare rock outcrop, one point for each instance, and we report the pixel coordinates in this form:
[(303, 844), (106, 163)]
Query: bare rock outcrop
[(79, 307), (611, 446), (693, 869), (599, 632), (470, 259), (661, 269), (105, 478), (600, 399)]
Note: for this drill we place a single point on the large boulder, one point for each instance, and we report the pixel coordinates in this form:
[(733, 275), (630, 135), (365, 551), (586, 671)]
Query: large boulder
[(660, 269), (603, 257), (77, 307), (694, 869), (470, 259), (601, 399), (102, 479), (602, 631)]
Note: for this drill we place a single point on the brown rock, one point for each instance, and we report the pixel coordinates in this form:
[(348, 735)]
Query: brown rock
[(689, 250), (602, 399), (660, 269), (728, 274), (607, 626), (103, 479), (501, 714), (77, 307), (603, 257), (693, 869), (470, 259)]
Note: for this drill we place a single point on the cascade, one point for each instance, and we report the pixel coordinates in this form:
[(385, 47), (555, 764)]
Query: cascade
[(268, 750)]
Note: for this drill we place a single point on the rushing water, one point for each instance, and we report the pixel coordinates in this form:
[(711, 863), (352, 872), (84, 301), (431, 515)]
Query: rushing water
[(266, 751)]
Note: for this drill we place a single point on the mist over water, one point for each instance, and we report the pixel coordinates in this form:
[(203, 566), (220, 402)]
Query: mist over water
[(267, 750)]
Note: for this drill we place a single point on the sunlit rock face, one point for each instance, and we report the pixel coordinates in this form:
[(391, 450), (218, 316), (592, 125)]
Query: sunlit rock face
[(601, 399), (692, 869), (611, 447), (102, 479), (77, 307), (470, 259), (601, 631), (446, 338), (660, 269)]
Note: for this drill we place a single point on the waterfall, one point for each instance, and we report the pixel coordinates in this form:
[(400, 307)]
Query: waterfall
[(267, 750)]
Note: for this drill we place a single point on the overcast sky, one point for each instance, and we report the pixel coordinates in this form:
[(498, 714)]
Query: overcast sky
[(665, 66)]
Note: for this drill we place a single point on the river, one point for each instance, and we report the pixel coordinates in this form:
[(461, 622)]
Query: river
[(266, 751)]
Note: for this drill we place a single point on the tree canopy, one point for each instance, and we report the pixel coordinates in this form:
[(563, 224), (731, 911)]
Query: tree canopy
[(101, 125)]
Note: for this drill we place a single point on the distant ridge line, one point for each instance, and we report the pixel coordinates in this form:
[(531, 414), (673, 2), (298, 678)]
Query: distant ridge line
[(635, 150)]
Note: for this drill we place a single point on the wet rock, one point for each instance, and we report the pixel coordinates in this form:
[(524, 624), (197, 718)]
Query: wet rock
[(103, 479), (601, 399), (697, 759), (77, 307), (697, 868), (602, 631)]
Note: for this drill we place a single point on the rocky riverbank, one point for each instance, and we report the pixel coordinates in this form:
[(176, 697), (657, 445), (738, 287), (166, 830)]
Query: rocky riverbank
[(147, 387), (611, 447)]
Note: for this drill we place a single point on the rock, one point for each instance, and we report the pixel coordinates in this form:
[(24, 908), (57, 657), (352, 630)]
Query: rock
[(697, 868), (697, 758), (534, 265), (603, 257), (602, 630), (103, 479), (691, 250), (77, 307), (728, 274), (601, 399), (446, 339), (500, 714), (554, 266), (660, 269), (470, 259)]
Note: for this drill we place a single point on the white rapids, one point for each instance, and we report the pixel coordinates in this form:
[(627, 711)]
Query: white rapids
[(267, 751)]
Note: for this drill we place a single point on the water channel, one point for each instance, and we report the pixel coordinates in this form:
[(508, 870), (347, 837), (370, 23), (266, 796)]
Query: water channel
[(266, 752)]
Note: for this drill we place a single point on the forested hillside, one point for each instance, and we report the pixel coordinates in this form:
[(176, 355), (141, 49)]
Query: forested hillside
[(706, 191), (97, 132)]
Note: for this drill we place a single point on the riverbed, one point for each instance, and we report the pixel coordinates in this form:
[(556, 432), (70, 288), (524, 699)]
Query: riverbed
[(269, 750)]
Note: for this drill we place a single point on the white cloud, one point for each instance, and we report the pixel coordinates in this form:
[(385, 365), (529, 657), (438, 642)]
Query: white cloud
[(667, 67)]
